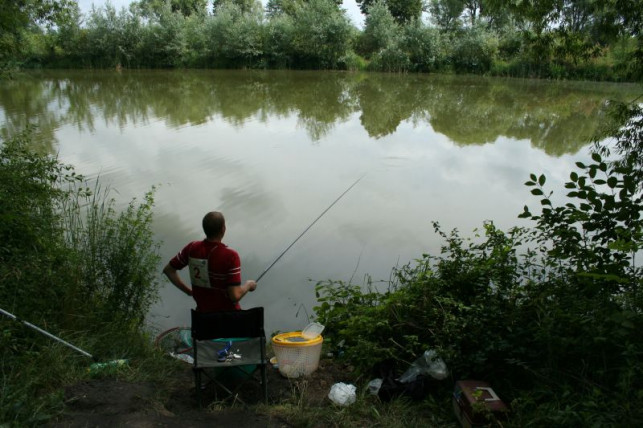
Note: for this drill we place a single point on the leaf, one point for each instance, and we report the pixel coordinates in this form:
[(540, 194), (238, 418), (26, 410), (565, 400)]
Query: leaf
[(581, 165), (542, 179), (573, 176), (537, 192), (612, 182), (533, 177), (596, 157)]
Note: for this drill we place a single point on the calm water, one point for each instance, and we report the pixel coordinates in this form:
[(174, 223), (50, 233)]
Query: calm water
[(272, 150)]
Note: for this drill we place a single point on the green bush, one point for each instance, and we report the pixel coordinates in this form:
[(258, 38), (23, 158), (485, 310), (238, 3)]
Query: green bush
[(424, 47), (322, 35), (391, 59), (235, 38), (473, 50), (380, 30), (279, 34), (73, 265)]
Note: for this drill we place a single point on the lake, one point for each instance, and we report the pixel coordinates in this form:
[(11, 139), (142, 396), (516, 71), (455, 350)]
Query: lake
[(273, 149)]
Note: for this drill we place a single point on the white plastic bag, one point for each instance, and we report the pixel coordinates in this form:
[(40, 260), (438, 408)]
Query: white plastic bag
[(428, 364), (342, 394)]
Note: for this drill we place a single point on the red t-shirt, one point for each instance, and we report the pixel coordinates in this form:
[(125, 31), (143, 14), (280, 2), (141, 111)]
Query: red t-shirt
[(223, 267)]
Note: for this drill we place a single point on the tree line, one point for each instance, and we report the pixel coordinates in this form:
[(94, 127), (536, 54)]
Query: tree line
[(320, 101), (593, 39)]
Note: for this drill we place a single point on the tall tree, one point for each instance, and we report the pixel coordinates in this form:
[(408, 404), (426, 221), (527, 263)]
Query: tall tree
[(446, 13), (17, 17), (380, 29)]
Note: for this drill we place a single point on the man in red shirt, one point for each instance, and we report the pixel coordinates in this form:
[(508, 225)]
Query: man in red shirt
[(215, 269)]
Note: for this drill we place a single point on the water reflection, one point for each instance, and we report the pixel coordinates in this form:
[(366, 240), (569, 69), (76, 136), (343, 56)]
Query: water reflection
[(556, 117), (273, 149)]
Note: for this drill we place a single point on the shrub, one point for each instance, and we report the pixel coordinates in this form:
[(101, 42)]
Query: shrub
[(322, 35), (62, 242), (424, 46), (72, 264), (380, 30), (235, 38), (473, 50)]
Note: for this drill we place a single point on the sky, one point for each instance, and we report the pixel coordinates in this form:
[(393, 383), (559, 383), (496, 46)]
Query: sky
[(351, 7)]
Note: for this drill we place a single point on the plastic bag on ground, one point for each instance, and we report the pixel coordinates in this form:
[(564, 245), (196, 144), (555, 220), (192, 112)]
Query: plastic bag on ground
[(342, 394), (428, 364), (374, 386)]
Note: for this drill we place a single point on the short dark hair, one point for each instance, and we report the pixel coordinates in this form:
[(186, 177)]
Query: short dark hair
[(213, 224)]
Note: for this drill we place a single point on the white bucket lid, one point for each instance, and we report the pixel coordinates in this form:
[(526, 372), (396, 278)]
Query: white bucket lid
[(312, 330)]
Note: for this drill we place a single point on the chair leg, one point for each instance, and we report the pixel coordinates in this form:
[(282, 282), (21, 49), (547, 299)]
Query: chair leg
[(264, 383), (197, 386)]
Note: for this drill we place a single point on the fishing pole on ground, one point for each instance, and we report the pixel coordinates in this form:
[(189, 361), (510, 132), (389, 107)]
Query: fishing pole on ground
[(94, 367), (306, 230)]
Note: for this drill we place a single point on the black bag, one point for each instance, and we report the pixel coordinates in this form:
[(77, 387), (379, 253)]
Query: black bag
[(392, 388)]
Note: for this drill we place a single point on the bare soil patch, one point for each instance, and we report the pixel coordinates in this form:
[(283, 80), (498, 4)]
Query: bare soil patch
[(114, 402)]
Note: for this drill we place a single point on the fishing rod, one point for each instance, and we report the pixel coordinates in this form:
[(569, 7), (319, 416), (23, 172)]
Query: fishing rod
[(306, 230), (46, 333), (95, 367)]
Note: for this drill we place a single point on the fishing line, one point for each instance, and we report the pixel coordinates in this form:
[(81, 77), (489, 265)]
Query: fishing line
[(309, 226)]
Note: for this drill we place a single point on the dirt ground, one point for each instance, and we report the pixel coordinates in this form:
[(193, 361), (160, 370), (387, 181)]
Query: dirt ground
[(117, 403)]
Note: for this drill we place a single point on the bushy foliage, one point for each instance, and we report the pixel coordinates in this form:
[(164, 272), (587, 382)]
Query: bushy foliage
[(380, 30), (424, 46), (111, 38), (473, 50), (73, 264), (162, 41), (523, 39), (235, 37), (550, 314), (63, 243), (322, 35), (279, 34)]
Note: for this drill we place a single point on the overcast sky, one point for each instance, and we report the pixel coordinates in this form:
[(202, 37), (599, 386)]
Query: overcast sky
[(350, 5)]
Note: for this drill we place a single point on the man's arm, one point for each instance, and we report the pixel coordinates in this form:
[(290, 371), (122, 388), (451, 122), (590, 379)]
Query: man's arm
[(236, 292), (173, 275)]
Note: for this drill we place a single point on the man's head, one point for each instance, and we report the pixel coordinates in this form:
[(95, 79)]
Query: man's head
[(214, 225)]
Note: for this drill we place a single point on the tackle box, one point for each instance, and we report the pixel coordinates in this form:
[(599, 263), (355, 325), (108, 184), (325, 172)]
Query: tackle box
[(476, 404)]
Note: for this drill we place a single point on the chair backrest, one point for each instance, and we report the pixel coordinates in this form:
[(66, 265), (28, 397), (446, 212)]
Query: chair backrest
[(215, 325)]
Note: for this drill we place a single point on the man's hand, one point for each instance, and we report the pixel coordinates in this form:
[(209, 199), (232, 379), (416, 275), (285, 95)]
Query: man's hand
[(236, 293), (252, 285)]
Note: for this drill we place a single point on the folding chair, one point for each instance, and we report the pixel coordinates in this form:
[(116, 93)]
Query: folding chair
[(231, 340)]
